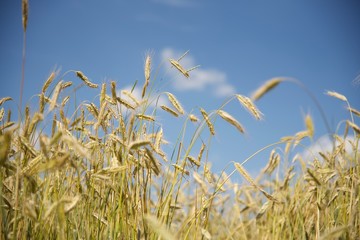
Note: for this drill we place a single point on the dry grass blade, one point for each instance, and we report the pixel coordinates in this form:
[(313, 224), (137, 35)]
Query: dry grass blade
[(337, 95), (250, 106), (86, 80), (169, 110), (175, 103), (5, 99), (230, 119), (244, 173), (208, 122), (266, 87)]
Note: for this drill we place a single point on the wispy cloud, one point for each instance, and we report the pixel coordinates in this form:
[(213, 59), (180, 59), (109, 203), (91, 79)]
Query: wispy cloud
[(200, 79)]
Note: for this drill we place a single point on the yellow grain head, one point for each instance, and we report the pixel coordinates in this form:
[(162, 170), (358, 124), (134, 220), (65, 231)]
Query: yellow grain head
[(266, 87), (25, 12), (250, 106), (208, 122)]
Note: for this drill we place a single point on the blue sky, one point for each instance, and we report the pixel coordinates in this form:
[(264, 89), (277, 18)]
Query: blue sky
[(239, 45)]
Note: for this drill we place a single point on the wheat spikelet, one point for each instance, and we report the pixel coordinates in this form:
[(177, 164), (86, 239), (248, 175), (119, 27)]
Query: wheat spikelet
[(147, 71), (139, 143), (6, 125), (230, 119), (64, 101), (202, 184), (208, 122), (263, 209), (41, 103), (313, 177), (353, 126), (125, 103), (158, 227), (86, 80), (193, 118), (274, 161), (36, 118), (181, 169), (102, 93), (3, 100), (244, 173), (8, 116), (201, 152), (2, 113), (154, 163), (336, 95), (27, 147), (158, 139), (175, 103), (55, 95), (110, 100), (266, 87), (131, 96), (169, 110), (113, 90), (300, 136), (101, 115), (250, 106), (145, 117), (32, 166), (27, 120), (66, 85), (25, 12), (353, 110), (177, 65), (309, 125), (48, 82), (193, 161)]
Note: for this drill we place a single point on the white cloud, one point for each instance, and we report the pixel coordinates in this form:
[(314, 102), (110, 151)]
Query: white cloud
[(200, 78), (325, 145)]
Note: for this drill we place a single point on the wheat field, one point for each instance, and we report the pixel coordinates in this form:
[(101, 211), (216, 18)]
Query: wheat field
[(98, 170)]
